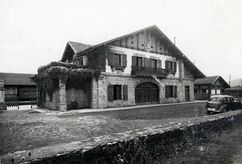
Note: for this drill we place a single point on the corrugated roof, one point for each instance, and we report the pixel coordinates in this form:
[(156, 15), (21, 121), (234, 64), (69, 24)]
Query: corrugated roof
[(206, 80), (17, 79)]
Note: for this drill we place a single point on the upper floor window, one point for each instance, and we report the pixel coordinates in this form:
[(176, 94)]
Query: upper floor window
[(153, 63), (139, 61), (171, 66), (117, 59)]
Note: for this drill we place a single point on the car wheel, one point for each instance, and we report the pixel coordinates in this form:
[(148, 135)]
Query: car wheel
[(223, 109)]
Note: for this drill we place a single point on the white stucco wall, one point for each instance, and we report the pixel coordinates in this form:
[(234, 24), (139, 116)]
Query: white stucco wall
[(132, 52)]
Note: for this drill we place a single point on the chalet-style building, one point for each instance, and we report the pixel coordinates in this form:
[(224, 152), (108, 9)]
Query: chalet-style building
[(212, 85), (18, 88), (143, 67)]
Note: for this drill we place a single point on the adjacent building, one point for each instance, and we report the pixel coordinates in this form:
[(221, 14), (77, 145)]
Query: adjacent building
[(212, 85), (18, 88), (143, 67)]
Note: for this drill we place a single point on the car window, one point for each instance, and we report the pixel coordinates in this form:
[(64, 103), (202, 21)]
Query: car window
[(236, 100), (218, 99)]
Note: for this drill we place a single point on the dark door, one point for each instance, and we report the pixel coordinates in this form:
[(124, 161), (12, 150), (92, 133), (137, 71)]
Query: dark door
[(147, 93), (187, 93)]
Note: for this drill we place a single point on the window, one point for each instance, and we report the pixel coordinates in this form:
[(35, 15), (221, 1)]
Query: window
[(171, 66), (153, 63), (117, 92), (79, 61), (139, 61), (171, 91), (117, 59), (195, 91), (204, 91)]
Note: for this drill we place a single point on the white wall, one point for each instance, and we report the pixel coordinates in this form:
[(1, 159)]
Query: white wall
[(131, 52)]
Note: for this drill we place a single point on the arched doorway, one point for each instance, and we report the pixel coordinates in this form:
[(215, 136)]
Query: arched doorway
[(147, 93)]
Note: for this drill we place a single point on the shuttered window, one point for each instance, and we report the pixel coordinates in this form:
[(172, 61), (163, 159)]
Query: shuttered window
[(139, 62), (117, 92), (117, 60), (171, 91), (153, 63), (171, 66)]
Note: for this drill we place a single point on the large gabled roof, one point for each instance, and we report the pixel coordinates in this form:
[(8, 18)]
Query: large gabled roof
[(210, 80), (17, 79), (165, 39)]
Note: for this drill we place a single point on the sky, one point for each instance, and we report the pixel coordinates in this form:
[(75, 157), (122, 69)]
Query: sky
[(34, 32)]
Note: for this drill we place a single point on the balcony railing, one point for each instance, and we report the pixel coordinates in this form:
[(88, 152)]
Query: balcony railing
[(148, 71)]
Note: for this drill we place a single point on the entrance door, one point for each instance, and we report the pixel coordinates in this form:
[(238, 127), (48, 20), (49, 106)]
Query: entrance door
[(187, 93), (147, 93)]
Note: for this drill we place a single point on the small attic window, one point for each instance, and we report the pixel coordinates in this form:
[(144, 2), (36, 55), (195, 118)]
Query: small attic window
[(132, 42), (142, 45), (151, 46)]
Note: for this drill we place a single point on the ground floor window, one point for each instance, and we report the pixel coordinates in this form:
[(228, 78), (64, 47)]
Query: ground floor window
[(171, 91), (117, 92)]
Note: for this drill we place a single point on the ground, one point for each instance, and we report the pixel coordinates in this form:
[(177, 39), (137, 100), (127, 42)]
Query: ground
[(28, 129)]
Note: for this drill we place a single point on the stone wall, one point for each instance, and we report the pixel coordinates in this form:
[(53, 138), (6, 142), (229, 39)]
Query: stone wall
[(114, 79), (79, 95)]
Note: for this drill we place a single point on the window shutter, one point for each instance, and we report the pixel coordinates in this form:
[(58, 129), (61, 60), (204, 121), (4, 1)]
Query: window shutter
[(174, 67), (124, 60), (143, 62), (110, 93), (175, 91), (147, 62), (150, 62), (125, 92), (134, 61), (167, 91), (167, 63), (110, 59), (158, 63)]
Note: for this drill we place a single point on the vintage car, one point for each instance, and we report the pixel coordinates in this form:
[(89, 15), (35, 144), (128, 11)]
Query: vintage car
[(222, 103)]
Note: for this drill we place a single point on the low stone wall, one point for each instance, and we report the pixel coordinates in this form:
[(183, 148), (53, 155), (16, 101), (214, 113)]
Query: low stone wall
[(147, 145)]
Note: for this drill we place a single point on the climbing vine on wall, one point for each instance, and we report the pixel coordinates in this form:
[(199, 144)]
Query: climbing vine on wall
[(48, 76)]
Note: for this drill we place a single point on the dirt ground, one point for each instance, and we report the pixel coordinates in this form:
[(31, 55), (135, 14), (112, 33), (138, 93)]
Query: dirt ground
[(28, 129)]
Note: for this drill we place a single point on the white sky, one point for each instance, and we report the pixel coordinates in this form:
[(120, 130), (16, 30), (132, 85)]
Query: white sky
[(35, 32)]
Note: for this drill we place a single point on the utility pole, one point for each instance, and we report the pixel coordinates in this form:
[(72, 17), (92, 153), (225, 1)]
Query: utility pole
[(229, 79)]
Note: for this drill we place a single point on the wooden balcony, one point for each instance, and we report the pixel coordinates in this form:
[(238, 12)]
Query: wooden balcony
[(148, 71)]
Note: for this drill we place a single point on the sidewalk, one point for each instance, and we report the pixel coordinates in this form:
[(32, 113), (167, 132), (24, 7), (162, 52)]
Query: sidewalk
[(88, 110)]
